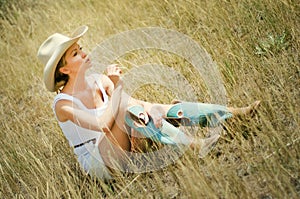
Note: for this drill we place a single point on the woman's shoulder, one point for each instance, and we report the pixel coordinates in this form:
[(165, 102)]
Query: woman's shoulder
[(63, 96), (62, 99), (65, 99)]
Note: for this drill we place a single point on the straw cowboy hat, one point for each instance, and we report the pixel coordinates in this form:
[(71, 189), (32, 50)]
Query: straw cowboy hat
[(51, 51)]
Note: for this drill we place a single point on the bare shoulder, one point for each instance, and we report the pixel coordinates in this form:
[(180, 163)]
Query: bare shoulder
[(63, 110)]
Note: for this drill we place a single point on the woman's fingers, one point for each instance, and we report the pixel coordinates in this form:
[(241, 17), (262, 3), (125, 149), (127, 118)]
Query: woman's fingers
[(113, 69)]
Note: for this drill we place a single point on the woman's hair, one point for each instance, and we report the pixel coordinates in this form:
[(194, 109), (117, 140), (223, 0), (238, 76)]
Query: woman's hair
[(60, 78)]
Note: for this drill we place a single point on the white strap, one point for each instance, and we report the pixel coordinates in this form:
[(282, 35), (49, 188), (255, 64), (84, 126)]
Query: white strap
[(63, 96)]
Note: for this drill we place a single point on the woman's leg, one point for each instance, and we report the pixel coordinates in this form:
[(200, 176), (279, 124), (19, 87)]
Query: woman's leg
[(114, 157), (198, 113), (161, 110), (116, 141), (157, 112), (119, 135), (116, 144)]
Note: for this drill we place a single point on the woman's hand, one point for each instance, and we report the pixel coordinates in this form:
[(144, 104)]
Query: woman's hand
[(114, 72)]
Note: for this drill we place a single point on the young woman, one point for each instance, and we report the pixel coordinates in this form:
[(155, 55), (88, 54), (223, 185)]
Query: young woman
[(98, 118)]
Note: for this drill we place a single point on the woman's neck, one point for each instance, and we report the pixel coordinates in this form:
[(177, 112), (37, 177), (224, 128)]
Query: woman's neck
[(76, 85)]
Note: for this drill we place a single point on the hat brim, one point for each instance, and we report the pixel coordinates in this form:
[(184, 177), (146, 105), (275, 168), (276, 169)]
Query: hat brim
[(56, 56)]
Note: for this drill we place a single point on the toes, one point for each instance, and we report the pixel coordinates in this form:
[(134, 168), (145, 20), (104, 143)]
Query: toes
[(255, 105)]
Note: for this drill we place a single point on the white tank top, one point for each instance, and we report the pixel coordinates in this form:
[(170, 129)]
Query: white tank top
[(74, 133)]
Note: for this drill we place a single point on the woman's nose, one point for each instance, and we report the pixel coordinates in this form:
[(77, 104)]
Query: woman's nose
[(83, 54)]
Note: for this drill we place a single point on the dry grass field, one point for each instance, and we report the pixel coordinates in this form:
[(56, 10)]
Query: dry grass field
[(256, 46)]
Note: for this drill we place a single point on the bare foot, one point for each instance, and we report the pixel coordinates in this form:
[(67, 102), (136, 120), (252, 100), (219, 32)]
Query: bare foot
[(245, 110)]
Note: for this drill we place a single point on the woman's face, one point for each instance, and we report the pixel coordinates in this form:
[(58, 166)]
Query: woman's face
[(76, 60)]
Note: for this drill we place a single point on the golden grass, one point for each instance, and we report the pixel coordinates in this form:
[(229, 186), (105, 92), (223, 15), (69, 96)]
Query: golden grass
[(254, 43)]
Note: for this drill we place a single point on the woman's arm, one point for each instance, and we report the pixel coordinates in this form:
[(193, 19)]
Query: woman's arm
[(65, 110)]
